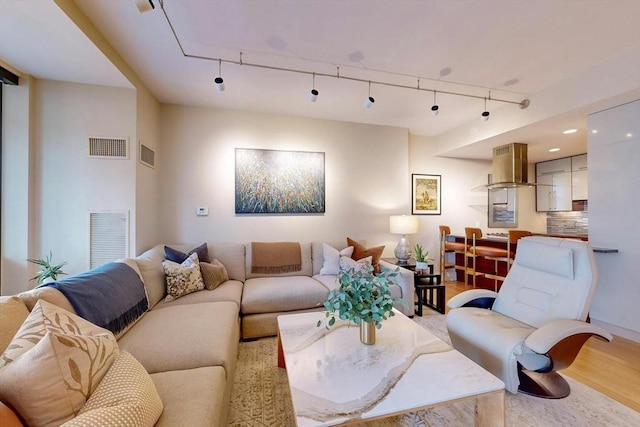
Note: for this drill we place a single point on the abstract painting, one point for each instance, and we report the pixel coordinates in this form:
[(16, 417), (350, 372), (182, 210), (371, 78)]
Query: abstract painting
[(279, 182)]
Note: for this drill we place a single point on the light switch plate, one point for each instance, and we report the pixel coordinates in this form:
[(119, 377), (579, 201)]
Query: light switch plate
[(202, 211)]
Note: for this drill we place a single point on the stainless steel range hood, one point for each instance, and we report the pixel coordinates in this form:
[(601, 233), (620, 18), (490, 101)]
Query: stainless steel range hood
[(510, 166)]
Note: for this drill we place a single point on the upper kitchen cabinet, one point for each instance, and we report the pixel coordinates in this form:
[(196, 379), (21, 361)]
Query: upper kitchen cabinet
[(579, 177), (553, 192)]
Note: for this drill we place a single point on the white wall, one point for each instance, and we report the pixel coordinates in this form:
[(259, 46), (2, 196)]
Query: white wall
[(17, 194), (461, 206), (68, 183), (147, 181), (614, 213), (366, 170)]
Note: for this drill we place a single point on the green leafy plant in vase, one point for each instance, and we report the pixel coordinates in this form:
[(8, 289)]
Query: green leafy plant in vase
[(49, 271), (362, 298)]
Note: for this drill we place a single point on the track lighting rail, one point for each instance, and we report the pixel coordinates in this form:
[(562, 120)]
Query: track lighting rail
[(522, 104)]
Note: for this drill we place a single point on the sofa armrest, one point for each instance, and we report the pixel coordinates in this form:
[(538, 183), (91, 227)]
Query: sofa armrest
[(483, 298), (406, 284)]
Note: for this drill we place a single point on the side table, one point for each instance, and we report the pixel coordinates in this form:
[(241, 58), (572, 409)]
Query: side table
[(429, 287), (430, 291)]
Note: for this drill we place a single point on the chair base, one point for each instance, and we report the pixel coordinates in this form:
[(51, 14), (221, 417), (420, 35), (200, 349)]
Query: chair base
[(549, 385)]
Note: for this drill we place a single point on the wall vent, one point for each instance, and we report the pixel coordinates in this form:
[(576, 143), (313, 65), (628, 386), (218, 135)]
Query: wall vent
[(109, 148), (108, 237), (147, 156)]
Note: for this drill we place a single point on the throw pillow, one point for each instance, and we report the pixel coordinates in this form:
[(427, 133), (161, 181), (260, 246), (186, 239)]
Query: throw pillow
[(213, 274), (180, 257), (331, 257), (43, 318), (360, 252), (347, 263), (12, 314), (50, 383), (53, 364), (125, 396), (182, 279)]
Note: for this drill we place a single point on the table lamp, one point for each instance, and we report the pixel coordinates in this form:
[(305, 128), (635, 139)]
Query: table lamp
[(403, 224)]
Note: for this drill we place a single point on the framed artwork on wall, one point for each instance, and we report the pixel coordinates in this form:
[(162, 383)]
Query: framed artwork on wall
[(279, 182), (426, 195)]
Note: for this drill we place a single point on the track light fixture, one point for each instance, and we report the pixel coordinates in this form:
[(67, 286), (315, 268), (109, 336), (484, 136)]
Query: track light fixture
[(435, 110), (368, 103), (485, 113), (218, 80), (314, 93)]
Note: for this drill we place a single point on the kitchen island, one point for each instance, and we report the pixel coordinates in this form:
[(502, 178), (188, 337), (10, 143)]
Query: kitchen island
[(488, 267)]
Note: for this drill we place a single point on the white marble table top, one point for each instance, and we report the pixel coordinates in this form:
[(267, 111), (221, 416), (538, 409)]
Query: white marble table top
[(335, 379)]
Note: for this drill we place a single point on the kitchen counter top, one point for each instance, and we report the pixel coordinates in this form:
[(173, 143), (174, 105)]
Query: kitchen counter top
[(502, 237)]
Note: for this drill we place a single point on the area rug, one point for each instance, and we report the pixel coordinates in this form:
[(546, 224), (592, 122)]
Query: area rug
[(260, 397)]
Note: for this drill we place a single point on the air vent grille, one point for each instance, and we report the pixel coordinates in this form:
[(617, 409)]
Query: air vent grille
[(505, 149), (147, 156), (108, 237), (109, 148)]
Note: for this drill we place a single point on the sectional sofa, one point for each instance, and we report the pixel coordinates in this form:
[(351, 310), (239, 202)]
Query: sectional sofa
[(189, 345)]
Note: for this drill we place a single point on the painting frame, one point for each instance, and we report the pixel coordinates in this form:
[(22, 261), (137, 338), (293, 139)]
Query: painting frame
[(279, 182), (430, 186)]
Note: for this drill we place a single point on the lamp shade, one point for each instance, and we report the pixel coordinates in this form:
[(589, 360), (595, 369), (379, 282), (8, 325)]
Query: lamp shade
[(403, 224)]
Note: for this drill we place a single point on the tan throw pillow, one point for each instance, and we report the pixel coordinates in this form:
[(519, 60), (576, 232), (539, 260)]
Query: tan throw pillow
[(43, 318), (50, 383), (182, 279), (360, 252), (126, 396), (12, 314), (213, 274)]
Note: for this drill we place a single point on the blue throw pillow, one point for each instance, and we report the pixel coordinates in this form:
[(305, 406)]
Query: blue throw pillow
[(180, 257)]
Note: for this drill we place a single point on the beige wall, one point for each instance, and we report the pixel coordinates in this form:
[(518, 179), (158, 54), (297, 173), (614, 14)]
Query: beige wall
[(17, 185), (69, 184), (366, 169), (147, 181)]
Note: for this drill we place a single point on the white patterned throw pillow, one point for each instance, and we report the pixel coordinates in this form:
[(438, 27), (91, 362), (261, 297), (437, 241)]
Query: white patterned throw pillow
[(182, 279), (331, 258), (53, 364), (347, 263), (126, 396)]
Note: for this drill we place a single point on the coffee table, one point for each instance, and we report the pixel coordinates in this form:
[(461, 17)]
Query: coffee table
[(334, 379)]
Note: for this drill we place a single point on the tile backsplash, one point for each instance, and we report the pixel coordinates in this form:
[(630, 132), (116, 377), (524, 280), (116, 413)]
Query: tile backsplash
[(571, 223)]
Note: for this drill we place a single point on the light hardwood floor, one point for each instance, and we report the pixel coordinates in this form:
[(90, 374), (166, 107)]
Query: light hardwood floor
[(612, 368)]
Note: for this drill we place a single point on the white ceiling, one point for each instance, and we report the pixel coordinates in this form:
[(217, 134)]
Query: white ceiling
[(514, 48)]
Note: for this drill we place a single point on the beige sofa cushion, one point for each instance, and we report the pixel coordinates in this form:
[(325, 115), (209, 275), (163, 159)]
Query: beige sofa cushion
[(231, 291), (231, 255), (193, 397), (271, 294), (12, 314), (185, 337), (307, 266), (51, 295), (150, 265)]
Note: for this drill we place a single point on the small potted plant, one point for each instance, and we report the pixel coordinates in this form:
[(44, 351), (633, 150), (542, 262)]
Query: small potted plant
[(48, 272), (421, 257), (362, 298)]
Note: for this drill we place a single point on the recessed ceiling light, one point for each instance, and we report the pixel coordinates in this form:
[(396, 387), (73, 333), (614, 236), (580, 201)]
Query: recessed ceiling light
[(629, 135), (553, 150), (594, 131), (568, 131)]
